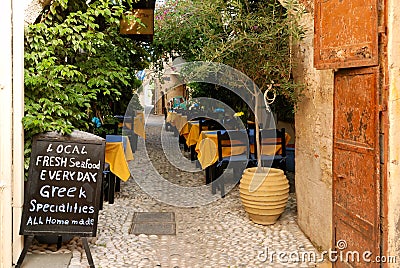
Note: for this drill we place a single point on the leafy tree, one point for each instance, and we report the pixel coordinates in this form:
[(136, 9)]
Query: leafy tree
[(254, 37), (77, 65)]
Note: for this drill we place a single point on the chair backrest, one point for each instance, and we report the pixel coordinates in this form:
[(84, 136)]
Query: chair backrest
[(232, 138), (251, 133), (252, 125), (231, 122), (209, 124), (274, 138), (127, 122)]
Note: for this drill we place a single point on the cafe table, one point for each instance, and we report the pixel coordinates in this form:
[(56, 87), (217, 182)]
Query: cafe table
[(138, 124), (191, 132), (171, 118), (117, 156), (180, 122), (194, 133), (207, 148), (185, 130)]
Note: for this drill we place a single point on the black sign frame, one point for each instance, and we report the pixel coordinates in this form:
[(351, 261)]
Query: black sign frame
[(66, 171)]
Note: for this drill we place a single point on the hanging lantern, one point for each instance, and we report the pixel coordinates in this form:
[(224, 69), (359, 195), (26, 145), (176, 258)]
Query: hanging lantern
[(139, 23)]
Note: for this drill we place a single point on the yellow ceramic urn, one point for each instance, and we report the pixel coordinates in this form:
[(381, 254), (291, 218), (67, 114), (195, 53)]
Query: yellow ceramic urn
[(264, 194)]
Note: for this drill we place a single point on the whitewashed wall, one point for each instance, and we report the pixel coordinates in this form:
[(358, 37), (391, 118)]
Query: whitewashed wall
[(314, 133)]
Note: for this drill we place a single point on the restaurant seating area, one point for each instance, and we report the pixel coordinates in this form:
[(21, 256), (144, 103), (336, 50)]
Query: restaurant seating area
[(121, 142), (216, 144)]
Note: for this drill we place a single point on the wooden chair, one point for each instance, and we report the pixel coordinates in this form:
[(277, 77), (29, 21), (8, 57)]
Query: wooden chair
[(270, 139), (209, 124), (104, 184), (206, 123), (238, 162), (108, 186), (128, 126)]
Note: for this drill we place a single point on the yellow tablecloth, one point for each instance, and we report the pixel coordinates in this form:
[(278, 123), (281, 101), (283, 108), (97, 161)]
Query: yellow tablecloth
[(139, 124), (187, 128), (171, 118), (207, 152), (117, 158), (180, 123), (194, 133)]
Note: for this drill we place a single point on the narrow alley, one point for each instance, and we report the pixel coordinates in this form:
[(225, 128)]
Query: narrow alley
[(218, 234)]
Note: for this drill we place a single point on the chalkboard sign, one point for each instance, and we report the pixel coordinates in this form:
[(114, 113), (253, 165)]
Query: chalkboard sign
[(64, 185)]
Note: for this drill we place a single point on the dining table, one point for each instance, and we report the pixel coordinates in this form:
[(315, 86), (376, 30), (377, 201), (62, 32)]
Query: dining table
[(193, 132), (180, 122), (117, 155), (171, 118), (176, 120), (138, 124), (207, 147)]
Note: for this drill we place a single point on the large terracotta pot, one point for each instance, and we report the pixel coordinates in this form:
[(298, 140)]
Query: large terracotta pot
[(264, 194)]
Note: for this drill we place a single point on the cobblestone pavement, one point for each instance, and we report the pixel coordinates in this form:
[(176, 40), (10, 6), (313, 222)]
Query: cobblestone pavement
[(216, 234)]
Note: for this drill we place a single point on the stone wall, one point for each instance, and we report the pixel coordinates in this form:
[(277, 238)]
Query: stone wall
[(33, 9), (314, 130), (172, 87), (394, 130)]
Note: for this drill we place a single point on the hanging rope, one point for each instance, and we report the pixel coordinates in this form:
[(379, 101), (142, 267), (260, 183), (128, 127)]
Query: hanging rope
[(268, 100)]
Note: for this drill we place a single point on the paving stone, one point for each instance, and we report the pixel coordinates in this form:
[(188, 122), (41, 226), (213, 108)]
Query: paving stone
[(216, 234)]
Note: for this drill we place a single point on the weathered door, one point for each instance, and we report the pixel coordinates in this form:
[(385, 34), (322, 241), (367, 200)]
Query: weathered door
[(356, 198), (345, 33)]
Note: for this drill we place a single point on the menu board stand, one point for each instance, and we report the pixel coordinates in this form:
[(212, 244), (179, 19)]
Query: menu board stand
[(87, 250), (63, 193), (28, 242)]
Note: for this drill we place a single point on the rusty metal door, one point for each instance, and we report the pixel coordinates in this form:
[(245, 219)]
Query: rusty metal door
[(356, 180), (345, 33)]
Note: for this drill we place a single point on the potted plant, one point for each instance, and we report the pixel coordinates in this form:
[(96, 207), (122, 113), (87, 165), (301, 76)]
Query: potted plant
[(264, 191)]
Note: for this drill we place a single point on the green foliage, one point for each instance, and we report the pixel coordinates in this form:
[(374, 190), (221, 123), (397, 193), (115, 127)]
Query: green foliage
[(254, 37), (220, 93), (76, 65)]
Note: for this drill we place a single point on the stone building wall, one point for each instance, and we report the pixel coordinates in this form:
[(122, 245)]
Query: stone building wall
[(33, 9), (394, 130), (314, 132), (172, 87)]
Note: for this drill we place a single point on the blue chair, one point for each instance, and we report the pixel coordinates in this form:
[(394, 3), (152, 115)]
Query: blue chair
[(237, 162)]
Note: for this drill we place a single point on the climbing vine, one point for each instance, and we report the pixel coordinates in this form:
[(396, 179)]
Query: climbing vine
[(77, 66)]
